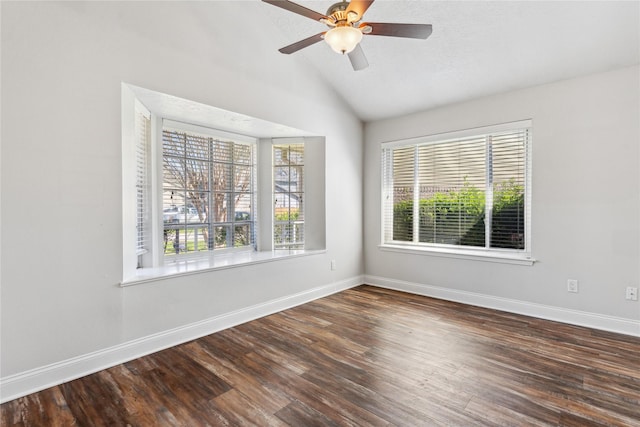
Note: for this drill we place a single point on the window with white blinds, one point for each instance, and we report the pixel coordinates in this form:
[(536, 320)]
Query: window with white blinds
[(469, 190), (288, 193), (208, 192), (142, 141)]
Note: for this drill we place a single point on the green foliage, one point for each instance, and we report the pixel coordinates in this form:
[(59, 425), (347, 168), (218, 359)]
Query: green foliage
[(284, 232), (287, 216), (457, 217), (185, 241), (507, 227)]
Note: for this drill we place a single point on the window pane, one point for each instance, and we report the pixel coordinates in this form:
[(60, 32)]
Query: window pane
[(220, 207), (207, 187), (196, 175), (174, 173), (508, 219), (242, 154), (223, 237), (242, 235), (242, 179), (403, 184), (288, 154), (182, 239), (173, 144), (197, 207), (171, 201), (197, 147), (222, 151), (288, 177), (222, 177), (242, 207), (288, 235), (452, 186)]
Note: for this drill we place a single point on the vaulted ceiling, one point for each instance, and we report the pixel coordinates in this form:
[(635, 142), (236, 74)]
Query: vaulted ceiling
[(477, 48)]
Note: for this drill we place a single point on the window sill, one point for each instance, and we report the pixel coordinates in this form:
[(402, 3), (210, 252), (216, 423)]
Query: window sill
[(187, 267), (474, 255)]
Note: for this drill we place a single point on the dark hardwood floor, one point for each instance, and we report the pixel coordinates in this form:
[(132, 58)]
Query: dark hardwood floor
[(366, 356)]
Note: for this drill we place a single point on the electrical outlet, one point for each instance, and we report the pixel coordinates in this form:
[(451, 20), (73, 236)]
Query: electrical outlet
[(632, 293), (333, 264), (572, 285)]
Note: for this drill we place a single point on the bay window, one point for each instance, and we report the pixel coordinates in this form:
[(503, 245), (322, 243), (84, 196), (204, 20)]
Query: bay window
[(205, 188)]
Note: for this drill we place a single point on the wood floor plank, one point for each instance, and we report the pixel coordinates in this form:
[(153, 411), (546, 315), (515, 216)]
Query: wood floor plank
[(270, 398), (363, 357), (324, 400), (240, 410), (46, 408), (299, 414)]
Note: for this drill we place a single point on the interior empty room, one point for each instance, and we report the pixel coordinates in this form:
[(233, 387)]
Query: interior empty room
[(320, 213)]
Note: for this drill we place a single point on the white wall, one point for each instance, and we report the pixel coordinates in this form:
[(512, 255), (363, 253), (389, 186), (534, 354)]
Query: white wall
[(62, 66), (586, 199)]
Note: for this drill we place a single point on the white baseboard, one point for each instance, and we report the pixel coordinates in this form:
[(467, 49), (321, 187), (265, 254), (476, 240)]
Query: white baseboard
[(564, 315), (21, 384)]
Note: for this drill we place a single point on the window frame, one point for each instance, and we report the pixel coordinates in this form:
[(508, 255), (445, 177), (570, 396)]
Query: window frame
[(265, 133), (158, 188), (513, 256), (290, 224)]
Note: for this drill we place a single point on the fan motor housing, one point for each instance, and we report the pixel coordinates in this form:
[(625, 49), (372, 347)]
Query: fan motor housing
[(338, 11)]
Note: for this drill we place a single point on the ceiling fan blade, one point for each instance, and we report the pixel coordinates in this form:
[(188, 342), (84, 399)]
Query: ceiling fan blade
[(412, 31), (302, 44), (296, 8), (357, 58), (359, 7)]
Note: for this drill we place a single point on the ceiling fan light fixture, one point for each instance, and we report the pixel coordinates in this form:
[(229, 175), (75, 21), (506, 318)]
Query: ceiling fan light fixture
[(343, 39)]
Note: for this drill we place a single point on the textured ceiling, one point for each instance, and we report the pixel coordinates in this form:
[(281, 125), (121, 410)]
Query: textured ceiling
[(476, 49)]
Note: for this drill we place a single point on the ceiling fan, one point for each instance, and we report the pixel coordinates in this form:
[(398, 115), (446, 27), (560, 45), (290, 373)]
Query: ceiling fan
[(346, 28)]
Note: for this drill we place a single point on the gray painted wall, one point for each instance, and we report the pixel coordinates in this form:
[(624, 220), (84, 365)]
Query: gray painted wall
[(62, 66), (586, 195)]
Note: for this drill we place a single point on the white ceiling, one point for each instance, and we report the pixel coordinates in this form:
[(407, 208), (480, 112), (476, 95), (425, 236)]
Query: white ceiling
[(477, 48), (191, 112)]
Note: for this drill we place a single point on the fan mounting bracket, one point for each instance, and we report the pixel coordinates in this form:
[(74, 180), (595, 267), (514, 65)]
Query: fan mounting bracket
[(339, 14)]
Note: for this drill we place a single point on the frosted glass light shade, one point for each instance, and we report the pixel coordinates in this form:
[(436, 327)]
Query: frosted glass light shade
[(343, 39)]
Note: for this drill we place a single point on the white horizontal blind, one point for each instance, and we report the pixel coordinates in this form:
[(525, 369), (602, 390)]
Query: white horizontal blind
[(471, 191), (208, 192), (403, 191), (288, 193), (143, 137), (451, 189), (510, 207)]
